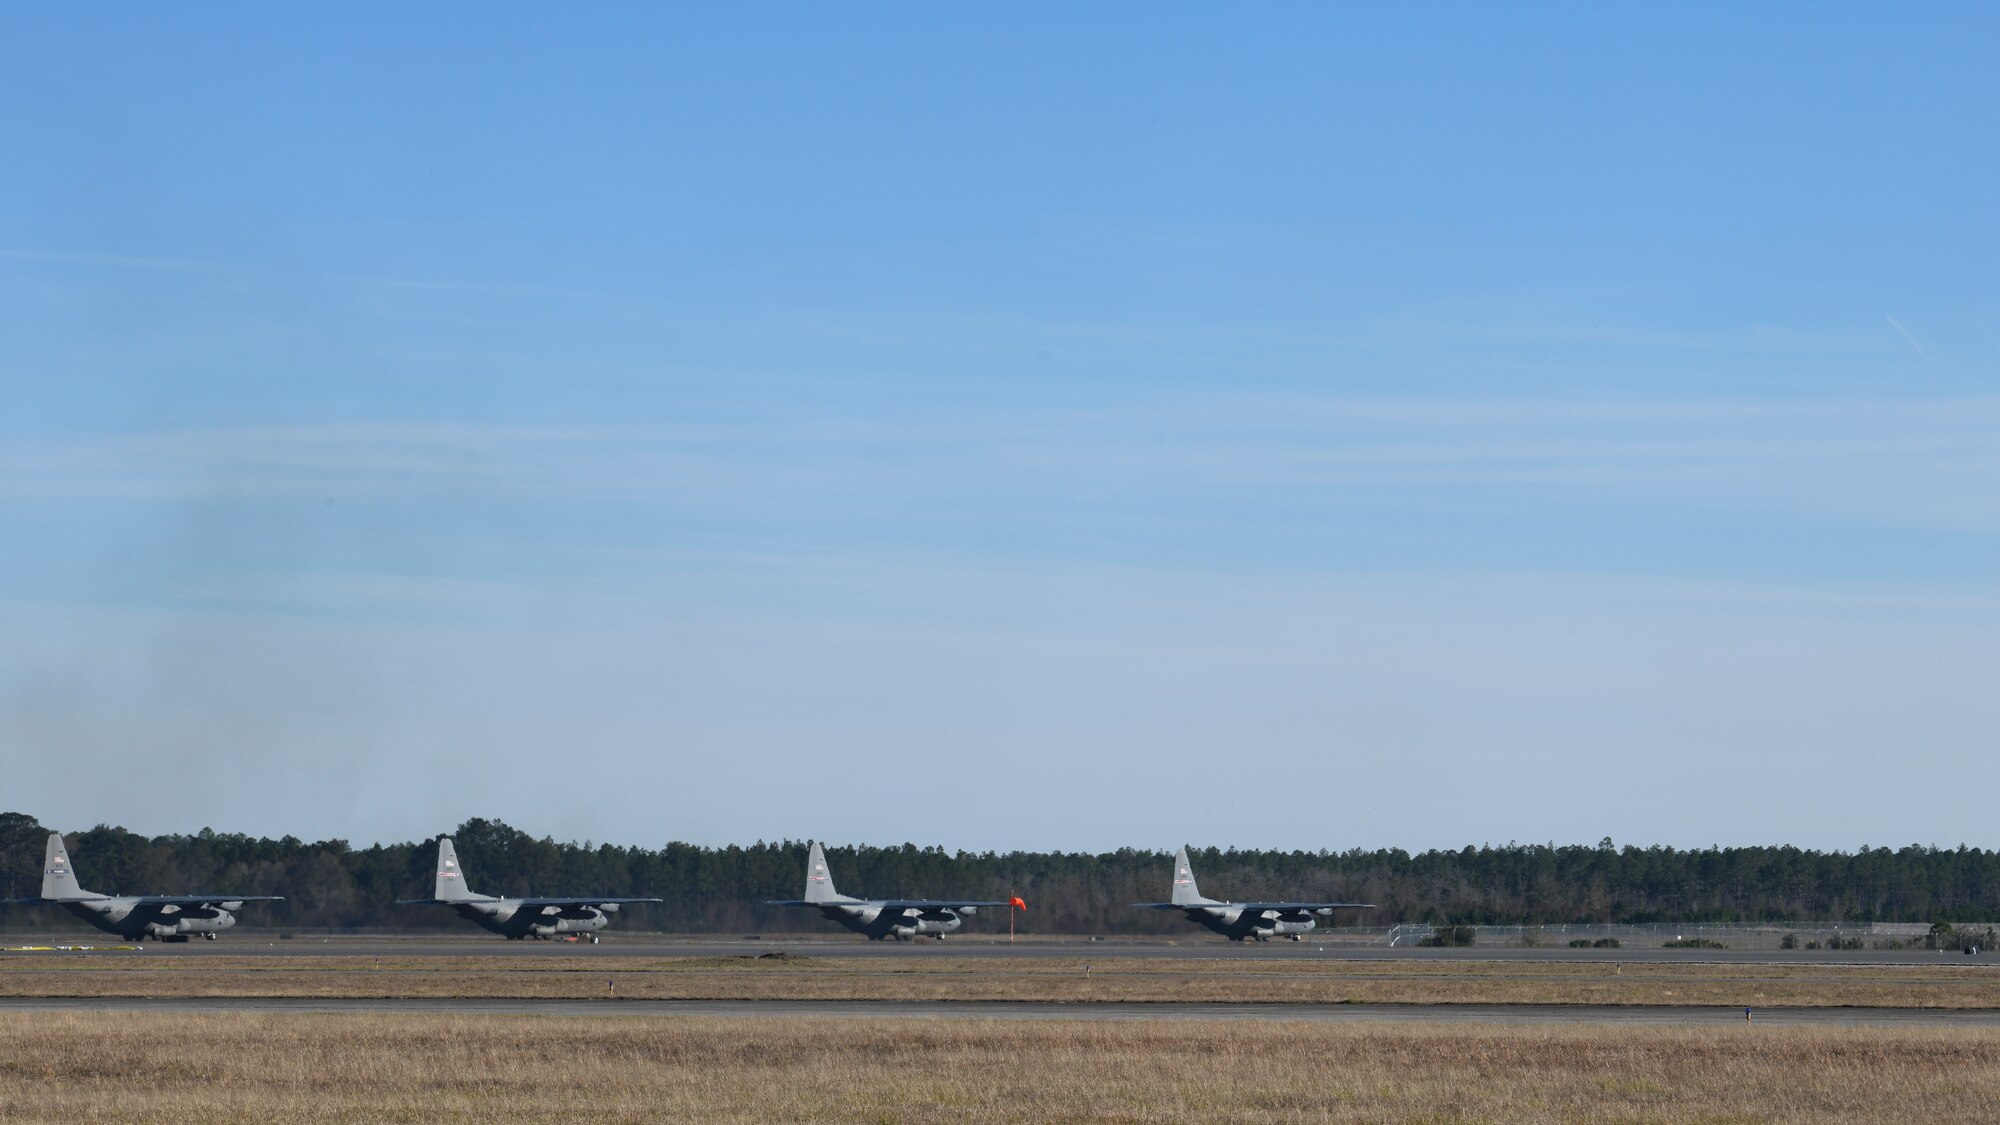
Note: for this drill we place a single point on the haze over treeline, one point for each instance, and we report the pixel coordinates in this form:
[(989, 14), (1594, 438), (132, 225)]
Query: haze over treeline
[(329, 884)]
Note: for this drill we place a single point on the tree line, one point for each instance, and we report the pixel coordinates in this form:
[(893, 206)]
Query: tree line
[(329, 884)]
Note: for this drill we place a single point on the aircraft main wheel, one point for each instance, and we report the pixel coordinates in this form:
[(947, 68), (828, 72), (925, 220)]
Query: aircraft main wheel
[(210, 937)]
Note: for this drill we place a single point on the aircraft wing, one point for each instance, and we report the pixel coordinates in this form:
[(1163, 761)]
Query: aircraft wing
[(1253, 905), (1302, 905), (932, 903), (600, 900), (891, 903), (202, 900)]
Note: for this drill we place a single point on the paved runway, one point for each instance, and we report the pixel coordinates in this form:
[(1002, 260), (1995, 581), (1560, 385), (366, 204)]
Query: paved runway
[(1194, 947), (1535, 1014)]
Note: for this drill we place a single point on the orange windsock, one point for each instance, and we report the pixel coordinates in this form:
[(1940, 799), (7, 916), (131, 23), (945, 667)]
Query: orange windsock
[(1016, 903)]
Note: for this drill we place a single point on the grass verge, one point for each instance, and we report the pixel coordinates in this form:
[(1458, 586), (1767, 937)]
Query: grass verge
[(1947, 985), (305, 1068)]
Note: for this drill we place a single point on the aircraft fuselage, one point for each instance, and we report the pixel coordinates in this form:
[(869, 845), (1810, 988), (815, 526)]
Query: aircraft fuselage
[(1239, 924), (514, 918), (902, 923), (134, 920)]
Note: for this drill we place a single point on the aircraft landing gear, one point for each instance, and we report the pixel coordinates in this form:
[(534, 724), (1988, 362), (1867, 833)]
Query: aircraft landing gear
[(208, 937)]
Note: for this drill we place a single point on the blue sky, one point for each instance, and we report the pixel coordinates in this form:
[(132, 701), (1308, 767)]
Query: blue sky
[(1041, 428)]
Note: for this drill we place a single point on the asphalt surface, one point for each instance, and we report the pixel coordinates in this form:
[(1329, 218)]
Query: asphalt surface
[(1192, 948), (1543, 1015)]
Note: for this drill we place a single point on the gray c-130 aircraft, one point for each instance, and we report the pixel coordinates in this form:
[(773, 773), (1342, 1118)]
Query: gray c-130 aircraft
[(135, 917), (878, 918), (515, 918), (1241, 921)]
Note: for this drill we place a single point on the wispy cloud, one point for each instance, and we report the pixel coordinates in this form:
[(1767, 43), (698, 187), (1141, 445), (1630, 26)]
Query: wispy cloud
[(116, 261), (1907, 337), (1922, 459), (223, 269)]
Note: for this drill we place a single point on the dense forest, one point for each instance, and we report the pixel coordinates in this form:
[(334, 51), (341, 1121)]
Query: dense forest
[(331, 885)]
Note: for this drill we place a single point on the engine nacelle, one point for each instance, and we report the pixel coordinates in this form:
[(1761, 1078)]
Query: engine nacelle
[(938, 922), (576, 919), (205, 920)]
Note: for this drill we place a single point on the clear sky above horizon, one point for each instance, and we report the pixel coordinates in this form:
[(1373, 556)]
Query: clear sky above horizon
[(1041, 427)]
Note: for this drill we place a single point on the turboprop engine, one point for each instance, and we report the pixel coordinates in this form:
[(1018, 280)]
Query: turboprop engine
[(915, 922), (175, 921), (568, 920), (1267, 924)]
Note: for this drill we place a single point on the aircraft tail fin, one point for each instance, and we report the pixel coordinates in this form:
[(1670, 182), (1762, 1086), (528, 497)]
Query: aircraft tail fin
[(450, 877), (58, 878), (819, 881), (1185, 891)]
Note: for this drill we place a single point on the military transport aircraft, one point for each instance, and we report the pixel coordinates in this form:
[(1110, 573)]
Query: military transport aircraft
[(899, 918), (1238, 921), (516, 918), (136, 917)]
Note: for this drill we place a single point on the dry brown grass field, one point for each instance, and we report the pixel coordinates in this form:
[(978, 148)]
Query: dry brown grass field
[(1944, 985), (304, 1068)]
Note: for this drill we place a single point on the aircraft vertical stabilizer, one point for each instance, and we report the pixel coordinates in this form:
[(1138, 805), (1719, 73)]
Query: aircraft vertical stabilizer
[(450, 878), (819, 881), (1185, 891), (58, 880)]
